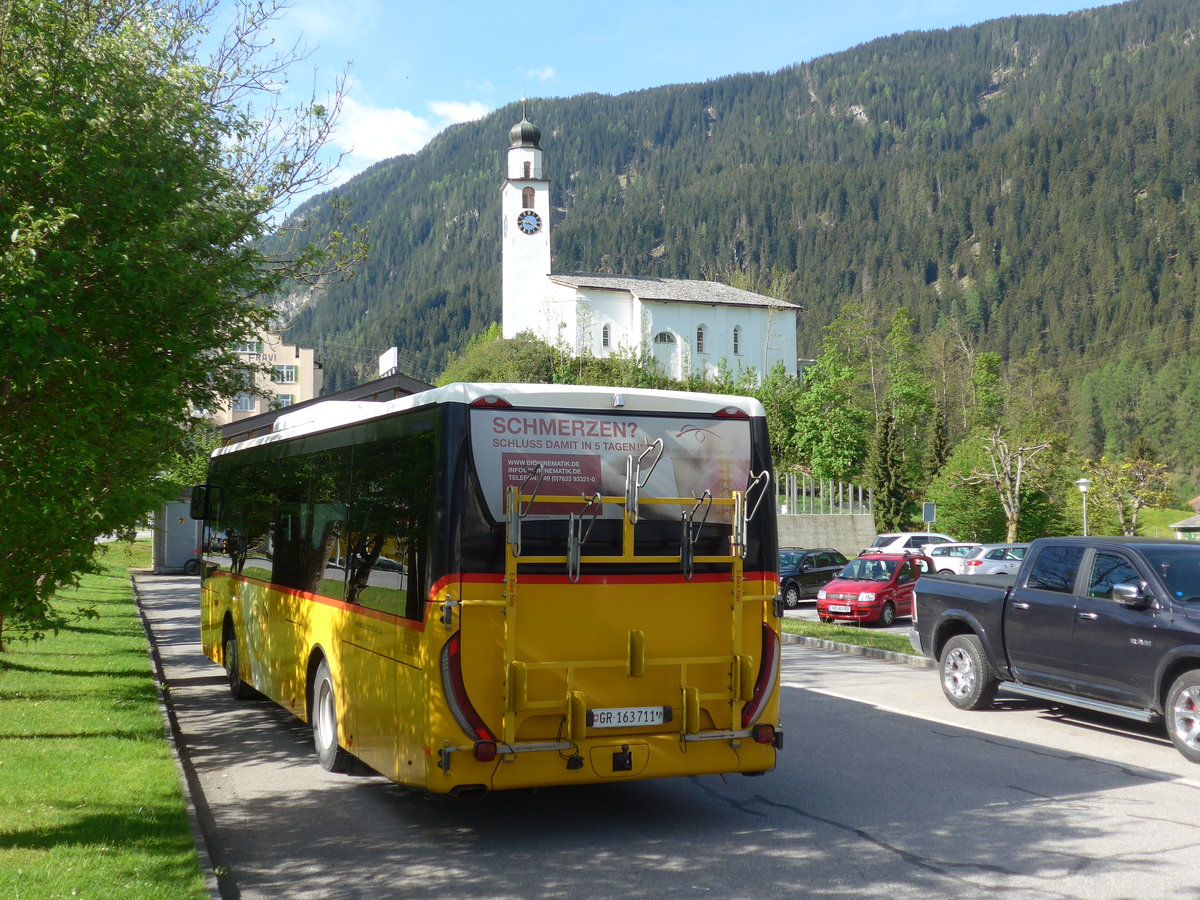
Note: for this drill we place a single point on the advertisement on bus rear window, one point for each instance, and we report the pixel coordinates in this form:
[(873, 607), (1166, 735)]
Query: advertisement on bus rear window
[(580, 454)]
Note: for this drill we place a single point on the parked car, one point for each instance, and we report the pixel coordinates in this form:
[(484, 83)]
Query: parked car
[(803, 572), (948, 559), (995, 559), (914, 541), (875, 587)]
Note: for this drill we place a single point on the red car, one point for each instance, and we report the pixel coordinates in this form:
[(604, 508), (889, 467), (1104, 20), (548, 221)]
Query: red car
[(875, 587)]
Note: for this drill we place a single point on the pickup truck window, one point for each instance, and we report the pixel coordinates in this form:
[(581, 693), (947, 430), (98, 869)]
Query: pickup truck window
[(1108, 570), (1180, 571), (1055, 569)]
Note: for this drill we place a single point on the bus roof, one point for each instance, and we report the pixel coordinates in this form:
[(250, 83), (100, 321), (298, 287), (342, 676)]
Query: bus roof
[(336, 413)]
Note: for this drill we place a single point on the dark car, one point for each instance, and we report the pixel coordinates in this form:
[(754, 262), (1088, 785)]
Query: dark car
[(804, 572)]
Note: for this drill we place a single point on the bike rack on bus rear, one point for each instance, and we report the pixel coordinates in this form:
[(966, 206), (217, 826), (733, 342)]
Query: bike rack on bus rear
[(744, 506)]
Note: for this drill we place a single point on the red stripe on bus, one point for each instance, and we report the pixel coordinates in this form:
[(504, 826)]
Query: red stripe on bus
[(448, 581), (328, 601)]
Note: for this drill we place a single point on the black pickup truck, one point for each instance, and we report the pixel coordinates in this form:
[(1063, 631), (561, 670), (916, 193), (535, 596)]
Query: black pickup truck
[(1109, 624)]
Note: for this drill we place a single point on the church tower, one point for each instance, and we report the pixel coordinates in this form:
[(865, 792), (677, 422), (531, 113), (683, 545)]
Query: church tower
[(525, 231)]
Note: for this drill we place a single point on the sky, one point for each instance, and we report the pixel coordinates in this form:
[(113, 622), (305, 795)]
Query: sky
[(414, 68)]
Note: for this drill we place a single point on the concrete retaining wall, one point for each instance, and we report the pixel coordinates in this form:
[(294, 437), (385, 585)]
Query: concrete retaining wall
[(849, 533)]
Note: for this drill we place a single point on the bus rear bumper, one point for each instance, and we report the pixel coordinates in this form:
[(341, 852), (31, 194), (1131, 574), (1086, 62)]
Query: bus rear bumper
[(631, 758)]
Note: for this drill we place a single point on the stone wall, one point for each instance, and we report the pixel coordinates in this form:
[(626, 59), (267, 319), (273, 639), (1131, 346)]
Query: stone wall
[(848, 533)]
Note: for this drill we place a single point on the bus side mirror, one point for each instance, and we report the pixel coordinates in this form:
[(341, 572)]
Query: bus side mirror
[(206, 502)]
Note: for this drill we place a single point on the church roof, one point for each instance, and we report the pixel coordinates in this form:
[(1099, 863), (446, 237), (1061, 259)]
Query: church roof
[(675, 290)]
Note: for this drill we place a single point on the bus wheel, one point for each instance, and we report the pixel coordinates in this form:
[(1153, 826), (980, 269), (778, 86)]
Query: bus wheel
[(324, 722), (238, 689)]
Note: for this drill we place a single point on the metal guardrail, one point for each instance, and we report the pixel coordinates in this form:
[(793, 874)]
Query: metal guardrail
[(803, 495)]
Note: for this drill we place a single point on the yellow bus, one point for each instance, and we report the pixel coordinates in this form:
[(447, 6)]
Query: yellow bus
[(494, 586)]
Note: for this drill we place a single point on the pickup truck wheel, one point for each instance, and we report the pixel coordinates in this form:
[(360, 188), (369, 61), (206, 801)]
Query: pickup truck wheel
[(968, 679), (1183, 715)]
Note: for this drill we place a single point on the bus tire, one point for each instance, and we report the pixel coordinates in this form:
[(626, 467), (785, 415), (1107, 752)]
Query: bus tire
[(325, 723), (238, 689), (191, 567)]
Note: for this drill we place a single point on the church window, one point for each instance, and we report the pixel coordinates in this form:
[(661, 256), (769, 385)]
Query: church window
[(664, 337), (528, 169), (527, 197), (606, 336), (737, 340), (700, 339)]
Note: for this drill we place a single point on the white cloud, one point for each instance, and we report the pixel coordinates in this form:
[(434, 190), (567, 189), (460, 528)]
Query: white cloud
[(542, 74), (368, 134), (452, 112)]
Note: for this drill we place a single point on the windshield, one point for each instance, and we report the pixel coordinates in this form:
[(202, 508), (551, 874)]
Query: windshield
[(869, 569), (789, 559)]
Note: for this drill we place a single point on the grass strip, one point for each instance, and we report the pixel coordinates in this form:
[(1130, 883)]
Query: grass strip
[(850, 634), (91, 803)]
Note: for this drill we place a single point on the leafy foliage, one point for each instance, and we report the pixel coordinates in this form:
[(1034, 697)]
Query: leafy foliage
[(133, 183), (1129, 486)]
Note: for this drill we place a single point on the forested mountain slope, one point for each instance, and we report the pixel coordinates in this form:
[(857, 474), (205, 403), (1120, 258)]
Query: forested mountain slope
[(1034, 176)]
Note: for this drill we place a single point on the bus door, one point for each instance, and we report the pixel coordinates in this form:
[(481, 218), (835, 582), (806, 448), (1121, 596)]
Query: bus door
[(385, 565)]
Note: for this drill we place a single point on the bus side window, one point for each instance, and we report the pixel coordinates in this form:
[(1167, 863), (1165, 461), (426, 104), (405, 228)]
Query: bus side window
[(309, 518), (387, 559)]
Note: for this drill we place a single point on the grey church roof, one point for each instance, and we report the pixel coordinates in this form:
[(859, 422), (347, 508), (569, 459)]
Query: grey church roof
[(675, 290)]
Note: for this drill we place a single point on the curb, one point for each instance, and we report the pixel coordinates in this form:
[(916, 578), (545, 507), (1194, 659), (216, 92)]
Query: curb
[(193, 793), (891, 656)]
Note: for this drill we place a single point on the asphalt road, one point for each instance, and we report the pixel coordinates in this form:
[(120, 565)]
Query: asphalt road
[(883, 790)]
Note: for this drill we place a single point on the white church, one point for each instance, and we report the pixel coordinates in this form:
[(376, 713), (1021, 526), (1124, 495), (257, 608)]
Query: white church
[(690, 326)]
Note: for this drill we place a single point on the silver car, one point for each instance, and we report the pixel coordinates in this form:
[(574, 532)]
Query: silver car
[(995, 559), (948, 559)]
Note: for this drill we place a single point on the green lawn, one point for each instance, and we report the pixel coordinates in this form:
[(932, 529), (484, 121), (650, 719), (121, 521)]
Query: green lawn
[(1157, 522), (850, 634), (90, 796)]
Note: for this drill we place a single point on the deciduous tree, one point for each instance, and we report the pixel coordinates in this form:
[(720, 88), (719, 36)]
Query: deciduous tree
[(134, 182), (1128, 486)]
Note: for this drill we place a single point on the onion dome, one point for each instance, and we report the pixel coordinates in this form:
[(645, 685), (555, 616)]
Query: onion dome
[(525, 134)]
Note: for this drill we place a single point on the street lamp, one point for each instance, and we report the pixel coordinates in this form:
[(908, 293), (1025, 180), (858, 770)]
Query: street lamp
[(1083, 484)]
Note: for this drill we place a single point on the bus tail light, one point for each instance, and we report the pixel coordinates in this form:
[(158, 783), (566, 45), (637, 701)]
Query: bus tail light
[(764, 733), (485, 751), (730, 412), (768, 673), (491, 401), (456, 693)]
